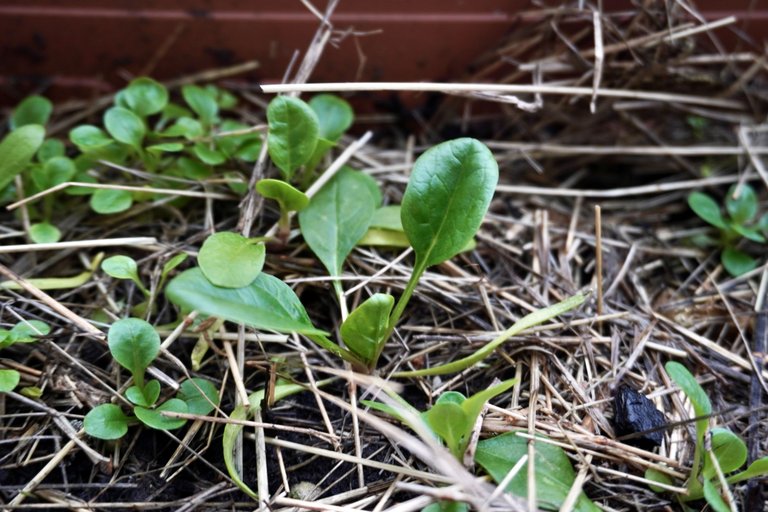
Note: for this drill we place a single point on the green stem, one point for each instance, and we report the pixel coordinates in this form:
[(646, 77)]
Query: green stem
[(528, 321), (418, 271)]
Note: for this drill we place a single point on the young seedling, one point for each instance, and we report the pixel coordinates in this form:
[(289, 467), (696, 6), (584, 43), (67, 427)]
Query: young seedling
[(22, 332), (718, 452), (134, 344), (451, 419), (288, 198), (293, 134), (740, 222)]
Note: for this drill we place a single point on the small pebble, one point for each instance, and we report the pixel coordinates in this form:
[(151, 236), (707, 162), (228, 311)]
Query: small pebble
[(633, 413)]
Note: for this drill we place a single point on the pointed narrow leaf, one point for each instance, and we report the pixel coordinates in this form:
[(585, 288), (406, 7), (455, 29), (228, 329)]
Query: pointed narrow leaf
[(447, 196), (338, 217), (707, 208), (106, 421), (365, 328), (17, 149), (230, 260), (293, 133), (267, 303)]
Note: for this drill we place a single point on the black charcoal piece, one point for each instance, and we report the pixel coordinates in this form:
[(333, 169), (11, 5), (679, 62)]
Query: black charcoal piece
[(637, 418)]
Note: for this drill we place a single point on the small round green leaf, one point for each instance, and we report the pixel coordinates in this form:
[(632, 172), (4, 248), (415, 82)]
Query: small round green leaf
[(737, 262), (107, 201), (154, 418), (54, 171), (32, 110), (334, 114), (657, 476), (121, 267), (200, 395), (88, 138), (707, 208), (202, 102), (728, 448), (293, 133), (289, 198), (743, 208), (145, 96), (9, 379), (17, 149), (447, 196), (125, 126), (44, 233), (231, 260), (193, 169), (107, 421), (134, 344)]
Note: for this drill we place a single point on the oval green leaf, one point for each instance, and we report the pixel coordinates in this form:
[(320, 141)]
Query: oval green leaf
[(134, 344), (655, 475), (388, 217), (202, 102), (106, 421), (89, 138), (107, 201), (125, 126), (267, 303), (737, 262), (207, 155), (44, 233), (121, 267), (200, 395), (337, 217), (293, 133), (334, 114), (230, 260), (447, 197), (9, 379), (289, 198), (28, 331), (145, 96), (757, 469), (32, 110), (707, 208), (554, 474), (729, 449), (17, 149), (154, 418), (743, 208), (54, 171), (713, 497), (145, 397), (365, 329)]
